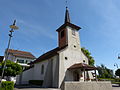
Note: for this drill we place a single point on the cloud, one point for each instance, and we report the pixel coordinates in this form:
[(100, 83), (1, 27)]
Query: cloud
[(35, 29), (109, 13)]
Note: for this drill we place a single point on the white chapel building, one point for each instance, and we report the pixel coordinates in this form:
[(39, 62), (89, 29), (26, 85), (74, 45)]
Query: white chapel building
[(65, 63)]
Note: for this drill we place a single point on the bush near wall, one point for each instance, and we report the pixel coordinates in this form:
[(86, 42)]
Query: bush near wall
[(113, 80), (36, 82), (7, 85)]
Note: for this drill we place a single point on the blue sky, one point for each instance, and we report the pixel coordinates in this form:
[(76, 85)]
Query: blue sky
[(38, 20)]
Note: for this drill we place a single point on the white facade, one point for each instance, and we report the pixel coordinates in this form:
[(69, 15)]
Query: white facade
[(56, 68), (23, 61)]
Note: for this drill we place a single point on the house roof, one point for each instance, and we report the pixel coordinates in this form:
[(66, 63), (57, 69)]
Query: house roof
[(82, 66), (1, 58), (68, 24), (48, 54), (21, 54)]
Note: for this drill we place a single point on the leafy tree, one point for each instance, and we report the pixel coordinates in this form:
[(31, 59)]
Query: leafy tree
[(117, 72), (104, 72), (11, 69), (88, 54)]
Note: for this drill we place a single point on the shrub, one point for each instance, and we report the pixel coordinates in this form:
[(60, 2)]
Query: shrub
[(117, 80), (36, 82), (7, 85), (107, 79)]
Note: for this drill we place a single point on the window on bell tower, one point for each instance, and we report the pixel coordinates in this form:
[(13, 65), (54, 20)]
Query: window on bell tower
[(62, 34)]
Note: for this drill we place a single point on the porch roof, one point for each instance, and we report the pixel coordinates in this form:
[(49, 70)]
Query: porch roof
[(82, 66)]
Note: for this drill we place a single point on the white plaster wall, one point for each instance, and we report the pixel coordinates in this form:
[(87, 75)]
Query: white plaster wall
[(27, 75), (74, 55), (73, 39), (55, 70), (84, 58), (51, 74), (37, 69)]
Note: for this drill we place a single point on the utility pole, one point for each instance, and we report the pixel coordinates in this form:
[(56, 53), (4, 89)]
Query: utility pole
[(13, 27)]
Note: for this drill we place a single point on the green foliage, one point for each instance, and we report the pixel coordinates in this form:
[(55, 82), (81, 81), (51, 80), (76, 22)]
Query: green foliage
[(7, 85), (117, 72), (88, 54), (12, 69), (106, 79), (36, 82), (104, 72)]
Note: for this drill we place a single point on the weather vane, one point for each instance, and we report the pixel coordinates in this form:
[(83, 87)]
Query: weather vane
[(66, 2)]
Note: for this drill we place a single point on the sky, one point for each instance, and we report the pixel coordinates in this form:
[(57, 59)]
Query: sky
[(38, 20)]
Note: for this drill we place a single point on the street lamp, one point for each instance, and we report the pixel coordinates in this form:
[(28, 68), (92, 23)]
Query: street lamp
[(13, 27), (119, 56)]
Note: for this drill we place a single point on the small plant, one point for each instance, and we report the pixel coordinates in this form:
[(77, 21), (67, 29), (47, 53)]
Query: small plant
[(7, 85)]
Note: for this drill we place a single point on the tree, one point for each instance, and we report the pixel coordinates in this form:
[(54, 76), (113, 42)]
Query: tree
[(88, 55), (117, 72), (104, 72), (11, 69)]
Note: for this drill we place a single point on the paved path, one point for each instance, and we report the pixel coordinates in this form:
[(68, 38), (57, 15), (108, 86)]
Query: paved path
[(35, 89), (115, 87)]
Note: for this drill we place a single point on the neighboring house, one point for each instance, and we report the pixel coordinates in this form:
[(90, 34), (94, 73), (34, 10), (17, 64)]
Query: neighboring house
[(65, 63), (1, 58), (21, 57)]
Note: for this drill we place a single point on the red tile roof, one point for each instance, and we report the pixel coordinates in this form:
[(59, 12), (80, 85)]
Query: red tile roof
[(82, 66), (21, 54), (49, 54)]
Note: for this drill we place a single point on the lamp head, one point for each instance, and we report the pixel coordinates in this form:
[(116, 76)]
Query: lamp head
[(14, 27)]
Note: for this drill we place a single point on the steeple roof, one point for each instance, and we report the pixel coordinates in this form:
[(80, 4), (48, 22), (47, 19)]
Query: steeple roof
[(67, 17), (67, 22)]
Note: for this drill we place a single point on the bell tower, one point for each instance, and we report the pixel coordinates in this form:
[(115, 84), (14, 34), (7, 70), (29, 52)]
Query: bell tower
[(68, 33)]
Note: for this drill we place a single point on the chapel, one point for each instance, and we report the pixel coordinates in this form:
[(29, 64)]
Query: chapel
[(64, 63)]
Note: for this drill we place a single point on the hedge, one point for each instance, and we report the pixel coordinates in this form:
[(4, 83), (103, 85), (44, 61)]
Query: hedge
[(36, 82), (7, 85)]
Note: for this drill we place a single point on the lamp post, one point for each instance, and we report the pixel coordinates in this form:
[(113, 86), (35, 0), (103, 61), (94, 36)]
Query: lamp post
[(119, 56), (13, 27)]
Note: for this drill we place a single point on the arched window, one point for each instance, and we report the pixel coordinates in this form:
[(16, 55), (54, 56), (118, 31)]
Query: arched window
[(42, 69)]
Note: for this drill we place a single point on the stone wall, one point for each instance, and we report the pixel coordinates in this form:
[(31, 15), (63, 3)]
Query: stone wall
[(87, 86)]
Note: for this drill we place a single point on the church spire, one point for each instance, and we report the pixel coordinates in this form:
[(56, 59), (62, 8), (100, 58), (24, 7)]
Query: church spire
[(67, 17)]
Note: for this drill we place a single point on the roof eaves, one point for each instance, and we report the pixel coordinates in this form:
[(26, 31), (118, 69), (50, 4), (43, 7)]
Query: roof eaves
[(68, 24), (48, 54)]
